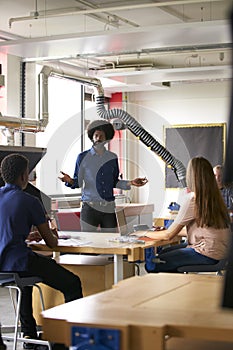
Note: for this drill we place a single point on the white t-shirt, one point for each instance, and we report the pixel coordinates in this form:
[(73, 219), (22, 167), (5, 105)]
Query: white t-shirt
[(208, 241)]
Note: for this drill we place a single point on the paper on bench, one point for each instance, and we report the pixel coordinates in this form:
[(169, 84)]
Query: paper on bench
[(71, 242)]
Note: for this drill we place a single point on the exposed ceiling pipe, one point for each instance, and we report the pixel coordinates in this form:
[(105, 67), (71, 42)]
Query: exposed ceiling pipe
[(116, 17), (50, 71), (9, 36), (128, 71), (36, 125), (16, 124), (62, 11), (106, 9), (160, 50), (12, 124), (22, 124)]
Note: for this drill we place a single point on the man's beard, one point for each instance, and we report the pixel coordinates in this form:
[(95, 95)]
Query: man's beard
[(99, 145)]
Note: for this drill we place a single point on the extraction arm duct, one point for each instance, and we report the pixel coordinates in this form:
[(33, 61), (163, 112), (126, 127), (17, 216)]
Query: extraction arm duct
[(136, 128)]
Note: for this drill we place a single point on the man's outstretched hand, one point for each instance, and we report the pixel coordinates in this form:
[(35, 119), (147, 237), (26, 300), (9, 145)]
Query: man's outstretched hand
[(65, 177), (139, 181)]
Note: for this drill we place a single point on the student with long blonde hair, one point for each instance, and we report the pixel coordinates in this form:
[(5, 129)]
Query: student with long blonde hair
[(205, 216)]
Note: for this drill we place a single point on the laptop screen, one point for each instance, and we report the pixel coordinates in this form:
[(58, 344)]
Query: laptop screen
[(121, 222)]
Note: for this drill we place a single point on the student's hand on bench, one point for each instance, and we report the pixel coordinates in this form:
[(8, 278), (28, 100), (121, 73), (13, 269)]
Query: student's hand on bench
[(34, 236)]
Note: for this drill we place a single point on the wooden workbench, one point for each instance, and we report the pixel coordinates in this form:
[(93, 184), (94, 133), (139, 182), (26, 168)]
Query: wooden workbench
[(147, 309), (97, 273)]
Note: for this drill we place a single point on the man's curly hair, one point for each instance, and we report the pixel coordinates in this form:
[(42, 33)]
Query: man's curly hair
[(12, 166), (102, 125)]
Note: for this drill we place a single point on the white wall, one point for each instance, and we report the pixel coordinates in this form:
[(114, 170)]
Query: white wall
[(181, 104)]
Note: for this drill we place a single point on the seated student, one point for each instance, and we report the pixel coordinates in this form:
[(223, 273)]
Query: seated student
[(225, 189), (206, 219), (19, 211)]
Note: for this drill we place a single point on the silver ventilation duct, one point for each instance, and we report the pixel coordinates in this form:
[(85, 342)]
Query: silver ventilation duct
[(136, 129)]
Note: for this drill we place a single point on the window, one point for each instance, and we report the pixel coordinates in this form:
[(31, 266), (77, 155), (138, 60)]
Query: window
[(62, 136)]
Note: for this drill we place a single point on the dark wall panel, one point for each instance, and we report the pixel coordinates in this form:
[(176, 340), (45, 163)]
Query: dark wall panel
[(186, 142)]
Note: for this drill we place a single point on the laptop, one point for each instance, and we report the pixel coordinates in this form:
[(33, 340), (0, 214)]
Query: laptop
[(123, 227), (122, 223)]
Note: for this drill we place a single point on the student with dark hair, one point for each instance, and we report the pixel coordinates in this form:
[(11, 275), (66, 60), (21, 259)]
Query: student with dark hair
[(19, 212), (97, 172), (205, 216)]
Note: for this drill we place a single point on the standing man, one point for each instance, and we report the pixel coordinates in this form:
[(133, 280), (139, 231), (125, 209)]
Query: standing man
[(97, 171), (19, 211)]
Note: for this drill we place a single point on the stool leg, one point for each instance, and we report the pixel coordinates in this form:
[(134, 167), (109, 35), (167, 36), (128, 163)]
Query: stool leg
[(17, 311), (16, 303), (42, 305), (41, 296)]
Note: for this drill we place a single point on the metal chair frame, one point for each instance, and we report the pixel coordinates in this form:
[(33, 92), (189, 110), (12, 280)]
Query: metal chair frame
[(218, 268), (12, 281)]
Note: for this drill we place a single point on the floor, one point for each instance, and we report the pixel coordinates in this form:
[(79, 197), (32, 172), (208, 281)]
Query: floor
[(7, 319), (7, 314)]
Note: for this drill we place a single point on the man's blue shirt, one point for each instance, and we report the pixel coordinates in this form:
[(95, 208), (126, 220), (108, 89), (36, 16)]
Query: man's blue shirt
[(18, 212), (227, 194), (98, 175)]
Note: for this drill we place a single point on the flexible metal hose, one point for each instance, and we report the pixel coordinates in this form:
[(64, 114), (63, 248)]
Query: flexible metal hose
[(136, 129)]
